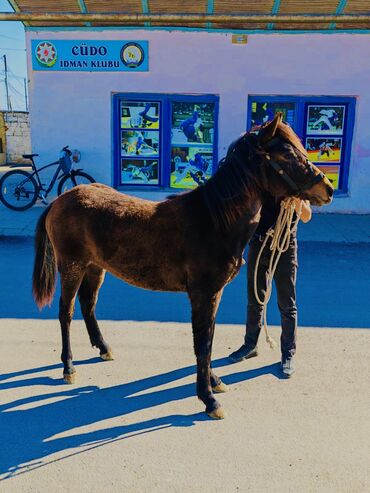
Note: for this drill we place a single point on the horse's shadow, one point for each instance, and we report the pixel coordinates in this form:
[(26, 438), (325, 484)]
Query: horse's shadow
[(27, 433)]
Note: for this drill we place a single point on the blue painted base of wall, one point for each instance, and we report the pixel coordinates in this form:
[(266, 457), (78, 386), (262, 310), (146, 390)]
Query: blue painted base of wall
[(332, 288)]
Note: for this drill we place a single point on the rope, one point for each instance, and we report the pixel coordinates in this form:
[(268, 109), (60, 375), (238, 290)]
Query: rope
[(280, 238)]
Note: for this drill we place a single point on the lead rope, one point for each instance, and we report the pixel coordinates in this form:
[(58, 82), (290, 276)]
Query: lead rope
[(280, 239)]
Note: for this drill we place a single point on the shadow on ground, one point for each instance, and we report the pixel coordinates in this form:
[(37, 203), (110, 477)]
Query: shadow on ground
[(332, 290), (81, 406)]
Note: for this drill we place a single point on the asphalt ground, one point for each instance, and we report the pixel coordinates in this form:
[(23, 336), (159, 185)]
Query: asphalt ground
[(332, 290), (134, 425)]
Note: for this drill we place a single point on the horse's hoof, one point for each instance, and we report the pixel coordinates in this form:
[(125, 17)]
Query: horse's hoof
[(222, 387), (69, 378), (217, 413), (107, 356)]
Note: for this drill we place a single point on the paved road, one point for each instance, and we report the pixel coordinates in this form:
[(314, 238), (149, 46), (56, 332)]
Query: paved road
[(134, 425), (333, 290)]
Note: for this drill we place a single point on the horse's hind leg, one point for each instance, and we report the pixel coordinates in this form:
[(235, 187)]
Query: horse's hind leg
[(71, 274), (88, 296), (218, 386)]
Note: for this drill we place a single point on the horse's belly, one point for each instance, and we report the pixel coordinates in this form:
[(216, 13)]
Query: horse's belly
[(150, 277)]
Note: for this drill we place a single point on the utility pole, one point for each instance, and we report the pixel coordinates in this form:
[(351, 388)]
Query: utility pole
[(8, 103), (25, 93)]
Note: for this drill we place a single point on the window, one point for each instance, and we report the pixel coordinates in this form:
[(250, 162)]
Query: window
[(167, 141), (324, 123)]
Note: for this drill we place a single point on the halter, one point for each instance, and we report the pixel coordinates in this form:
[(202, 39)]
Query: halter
[(252, 139), (284, 175)]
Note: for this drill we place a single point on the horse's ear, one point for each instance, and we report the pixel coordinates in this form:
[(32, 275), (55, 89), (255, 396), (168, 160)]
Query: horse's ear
[(268, 131)]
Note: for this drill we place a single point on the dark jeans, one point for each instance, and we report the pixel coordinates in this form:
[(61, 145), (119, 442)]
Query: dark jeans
[(285, 280)]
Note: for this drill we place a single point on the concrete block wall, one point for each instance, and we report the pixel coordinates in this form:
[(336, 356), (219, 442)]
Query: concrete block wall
[(17, 135)]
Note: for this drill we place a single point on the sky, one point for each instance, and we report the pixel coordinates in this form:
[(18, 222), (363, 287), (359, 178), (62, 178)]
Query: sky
[(12, 44)]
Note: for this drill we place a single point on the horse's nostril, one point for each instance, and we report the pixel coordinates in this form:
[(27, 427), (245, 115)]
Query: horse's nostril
[(330, 191)]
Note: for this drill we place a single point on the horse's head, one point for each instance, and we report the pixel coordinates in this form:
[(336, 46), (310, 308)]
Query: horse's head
[(288, 170)]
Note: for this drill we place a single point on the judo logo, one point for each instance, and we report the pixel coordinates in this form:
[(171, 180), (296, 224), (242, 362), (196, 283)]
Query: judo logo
[(46, 53), (132, 55)]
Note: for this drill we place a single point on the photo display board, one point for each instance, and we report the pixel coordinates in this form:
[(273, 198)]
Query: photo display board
[(324, 124), (192, 131), (164, 140), (140, 131)]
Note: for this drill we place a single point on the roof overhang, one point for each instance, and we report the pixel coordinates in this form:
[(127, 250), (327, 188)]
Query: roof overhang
[(265, 15)]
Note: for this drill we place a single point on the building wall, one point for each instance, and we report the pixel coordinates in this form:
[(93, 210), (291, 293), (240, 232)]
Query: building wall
[(75, 108), (16, 126)]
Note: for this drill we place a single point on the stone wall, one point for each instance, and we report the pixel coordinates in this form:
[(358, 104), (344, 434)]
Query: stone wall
[(17, 135)]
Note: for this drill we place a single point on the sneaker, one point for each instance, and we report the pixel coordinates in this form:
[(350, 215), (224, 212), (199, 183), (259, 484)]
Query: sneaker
[(287, 366), (244, 352)]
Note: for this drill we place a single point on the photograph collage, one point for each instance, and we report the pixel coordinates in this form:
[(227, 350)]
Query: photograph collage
[(323, 131), (192, 135), (324, 138), (140, 142)]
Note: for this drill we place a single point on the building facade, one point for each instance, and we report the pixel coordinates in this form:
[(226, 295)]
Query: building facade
[(155, 110)]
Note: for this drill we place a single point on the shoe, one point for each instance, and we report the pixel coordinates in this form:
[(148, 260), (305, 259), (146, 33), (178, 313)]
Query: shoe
[(244, 352), (287, 366)]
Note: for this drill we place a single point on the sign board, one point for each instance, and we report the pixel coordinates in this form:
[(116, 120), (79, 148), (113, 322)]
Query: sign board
[(239, 39), (90, 56)]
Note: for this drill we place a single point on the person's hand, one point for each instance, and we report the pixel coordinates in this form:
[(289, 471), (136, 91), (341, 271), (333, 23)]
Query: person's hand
[(306, 212)]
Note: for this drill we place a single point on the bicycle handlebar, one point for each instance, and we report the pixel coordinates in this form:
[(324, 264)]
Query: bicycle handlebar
[(67, 150)]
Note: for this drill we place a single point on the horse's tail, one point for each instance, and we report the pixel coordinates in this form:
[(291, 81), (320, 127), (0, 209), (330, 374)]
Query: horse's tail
[(44, 269)]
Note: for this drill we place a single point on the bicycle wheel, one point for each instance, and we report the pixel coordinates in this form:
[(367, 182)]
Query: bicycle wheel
[(18, 190), (70, 181)]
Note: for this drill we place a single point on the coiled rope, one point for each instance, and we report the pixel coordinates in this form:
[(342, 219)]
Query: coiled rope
[(280, 236)]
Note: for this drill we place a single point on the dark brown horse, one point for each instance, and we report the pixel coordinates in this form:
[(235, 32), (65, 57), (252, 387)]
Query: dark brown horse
[(192, 242)]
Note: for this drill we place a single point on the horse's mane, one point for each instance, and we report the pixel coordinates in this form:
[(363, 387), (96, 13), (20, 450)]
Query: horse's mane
[(237, 180), (234, 183), (286, 132)]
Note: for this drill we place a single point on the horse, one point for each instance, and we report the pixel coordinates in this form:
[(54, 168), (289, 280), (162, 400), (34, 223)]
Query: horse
[(191, 242)]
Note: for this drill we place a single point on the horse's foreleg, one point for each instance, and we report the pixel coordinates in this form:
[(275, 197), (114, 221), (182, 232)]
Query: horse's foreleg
[(71, 276), (88, 296), (204, 310)]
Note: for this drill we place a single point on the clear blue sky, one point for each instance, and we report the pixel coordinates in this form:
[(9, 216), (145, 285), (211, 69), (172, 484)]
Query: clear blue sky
[(12, 44)]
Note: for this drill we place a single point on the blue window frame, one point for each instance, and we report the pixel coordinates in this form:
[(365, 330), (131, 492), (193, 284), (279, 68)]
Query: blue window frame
[(164, 140), (324, 123)]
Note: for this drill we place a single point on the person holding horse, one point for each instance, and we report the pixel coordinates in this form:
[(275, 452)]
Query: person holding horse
[(285, 281)]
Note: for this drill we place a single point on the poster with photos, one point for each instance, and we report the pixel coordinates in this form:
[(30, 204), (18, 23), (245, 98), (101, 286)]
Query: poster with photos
[(325, 119), (140, 114), (139, 171), (332, 172), (190, 166), (263, 112), (139, 143), (192, 123), (328, 149)]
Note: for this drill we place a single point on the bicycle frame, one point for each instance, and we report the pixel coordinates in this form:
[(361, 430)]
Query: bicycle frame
[(53, 180)]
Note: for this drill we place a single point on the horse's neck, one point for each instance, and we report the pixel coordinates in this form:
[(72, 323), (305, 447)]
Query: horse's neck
[(234, 198), (242, 230)]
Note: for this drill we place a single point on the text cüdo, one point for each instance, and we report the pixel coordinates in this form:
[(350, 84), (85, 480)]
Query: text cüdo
[(85, 50)]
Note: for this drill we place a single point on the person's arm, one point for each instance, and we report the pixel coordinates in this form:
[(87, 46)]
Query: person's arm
[(306, 212)]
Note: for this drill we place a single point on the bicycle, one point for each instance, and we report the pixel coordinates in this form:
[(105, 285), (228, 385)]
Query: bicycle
[(20, 189)]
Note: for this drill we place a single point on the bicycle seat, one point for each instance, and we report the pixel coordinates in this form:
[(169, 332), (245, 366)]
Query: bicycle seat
[(29, 156)]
